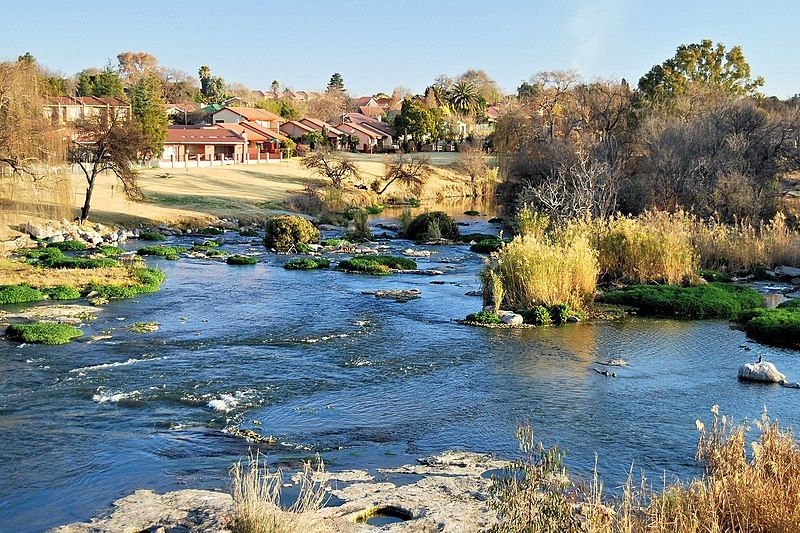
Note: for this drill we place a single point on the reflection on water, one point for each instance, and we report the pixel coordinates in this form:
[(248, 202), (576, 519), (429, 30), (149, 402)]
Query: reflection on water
[(304, 356)]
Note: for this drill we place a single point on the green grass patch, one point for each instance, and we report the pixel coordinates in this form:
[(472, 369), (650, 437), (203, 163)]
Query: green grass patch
[(148, 280), (18, 294), (69, 246), (59, 260), (484, 317), (714, 300), (110, 251), (376, 264), (241, 260), (714, 276), (150, 235), (335, 243), (374, 209), (248, 232), (307, 263), (486, 246), (42, 333), (167, 252), (62, 292), (775, 326), (144, 327), (472, 213)]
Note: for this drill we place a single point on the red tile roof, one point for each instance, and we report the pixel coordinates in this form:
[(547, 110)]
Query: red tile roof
[(266, 132), (201, 135), (304, 127), (85, 100), (319, 125), (349, 128), (360, 118), (252, 113), (240, 130)]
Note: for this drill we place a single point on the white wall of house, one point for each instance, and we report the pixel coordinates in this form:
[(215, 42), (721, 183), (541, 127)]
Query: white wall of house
[(226, 115)]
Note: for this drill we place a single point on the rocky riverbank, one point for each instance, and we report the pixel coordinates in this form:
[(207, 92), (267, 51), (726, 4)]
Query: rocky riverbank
[(446, 492)]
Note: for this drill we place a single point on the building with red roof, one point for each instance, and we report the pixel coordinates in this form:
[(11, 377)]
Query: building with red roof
[(65, 110), (235, 114)]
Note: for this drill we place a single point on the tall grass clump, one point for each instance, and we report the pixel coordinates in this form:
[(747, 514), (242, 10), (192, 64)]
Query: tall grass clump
[(551, 270), (740, 491), (256, 495), (655, 247)]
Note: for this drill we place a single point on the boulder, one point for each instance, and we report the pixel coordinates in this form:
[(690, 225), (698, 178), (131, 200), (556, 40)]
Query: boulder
[(762, 371), (787, 271), (512, 319)]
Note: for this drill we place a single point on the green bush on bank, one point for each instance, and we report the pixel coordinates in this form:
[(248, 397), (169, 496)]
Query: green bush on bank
[(167, 252), (62, 292), (68, 246), (151, 235), (110, 251), (17, 294), (376, 264), (486, 246), (59, 260), (432, 226), (241, 260), (714, 300), (472, 213), (775, 326), (286, 231), (307, 263), (248, 232), (484, 317), (42, 333)]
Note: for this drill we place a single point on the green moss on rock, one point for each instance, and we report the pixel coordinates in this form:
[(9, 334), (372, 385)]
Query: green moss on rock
[(307, 263), (17, 294), (42, 333)]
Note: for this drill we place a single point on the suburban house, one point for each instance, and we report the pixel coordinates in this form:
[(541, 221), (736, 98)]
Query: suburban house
[(295, 129), (265, 118), (185, 113), (201, 144), (369, 106), (63, 110), (389, 104), (332, 133), (367, 139), (262, 143), (381, 129)]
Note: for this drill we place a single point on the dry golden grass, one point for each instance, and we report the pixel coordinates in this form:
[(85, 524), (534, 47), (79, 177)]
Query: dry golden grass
[(257, 499), (757, 492), (16, 272)]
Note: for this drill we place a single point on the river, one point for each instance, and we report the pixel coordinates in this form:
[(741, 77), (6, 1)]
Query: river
[(307, 357)]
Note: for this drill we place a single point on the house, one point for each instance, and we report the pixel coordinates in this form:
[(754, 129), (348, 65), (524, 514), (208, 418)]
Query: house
[(64, 110), (202, 145), (185, 113), (262, 143), (234, 114), (389, 104), (369, 106), (383, 130), (367, 139), (295, 129), (332, 133)]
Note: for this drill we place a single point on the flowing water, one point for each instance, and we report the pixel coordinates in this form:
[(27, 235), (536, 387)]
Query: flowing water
[(366, 382)]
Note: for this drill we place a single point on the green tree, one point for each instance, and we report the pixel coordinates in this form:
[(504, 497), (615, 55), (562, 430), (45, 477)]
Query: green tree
[(103, 83), (706, 64), (275, 86), (212, 87), (149, 109), (463, 97), (336, 83), (415, 120)]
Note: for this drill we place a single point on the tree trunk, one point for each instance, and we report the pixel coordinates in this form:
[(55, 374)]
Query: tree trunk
[(386, 186), (88, 200)]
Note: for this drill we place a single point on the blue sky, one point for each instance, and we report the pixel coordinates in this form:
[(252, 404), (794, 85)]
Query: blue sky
[(378, 45)]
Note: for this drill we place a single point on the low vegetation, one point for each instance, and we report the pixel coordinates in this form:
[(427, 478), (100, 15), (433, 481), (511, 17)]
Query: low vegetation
[(433, 226), (110, 251), (486, 246), (256, 495), (780, 327), (69, 246), (307, 263), (56, 259), (248, 232), (484, 317), (171, 253), (286, 231), (151, 235), (144, 281), (241, 260), (62, 292), (376, 264), (42, 333), (739, 492), (714, 300), (18, 294)]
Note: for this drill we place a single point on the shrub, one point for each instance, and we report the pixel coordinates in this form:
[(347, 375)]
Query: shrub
[(42, 333), (167, 252), (656, 247), (18, 294), (775, 326), (248, 232), (405, 218), (62, 292), (548, 271), (714, 300), (716, 276), (484, 317), (241, 260), (472, 213), (110, 251), (420, 228), (151, 235), (538, 316), (361, 231), (286, 231), (559, 313), (478, 237), (794, 303), (71, 246), (307, 263), (486, 246), (335, 243), (374, 209), (376, 264)]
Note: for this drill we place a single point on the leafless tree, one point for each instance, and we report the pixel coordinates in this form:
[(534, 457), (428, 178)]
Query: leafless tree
[(471, 162), (411, 170), (333, 165), (554, 94), (107, 143)]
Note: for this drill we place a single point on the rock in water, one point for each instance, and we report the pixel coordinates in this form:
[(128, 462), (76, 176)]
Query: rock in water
[(512, 319), (762, 371)]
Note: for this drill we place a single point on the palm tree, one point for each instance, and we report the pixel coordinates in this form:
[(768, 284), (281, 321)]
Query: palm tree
[(463, 97)]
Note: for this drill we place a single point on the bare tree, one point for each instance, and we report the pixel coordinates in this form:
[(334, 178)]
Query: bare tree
[(471, 162), (554, 93), (107, 143), (335, 166), (410, 170)]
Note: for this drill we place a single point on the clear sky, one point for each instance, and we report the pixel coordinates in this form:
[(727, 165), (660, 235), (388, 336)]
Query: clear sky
[(378, 45)]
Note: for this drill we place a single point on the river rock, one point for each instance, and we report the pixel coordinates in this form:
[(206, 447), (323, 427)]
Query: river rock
[(512, 319), (762, 371), (787, 271), (398, 295), (410, 252)]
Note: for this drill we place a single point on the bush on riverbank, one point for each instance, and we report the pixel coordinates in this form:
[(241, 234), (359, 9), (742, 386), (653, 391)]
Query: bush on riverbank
[(486, 246), (170, 253), (714, 300), (287, 231), (62, 292), (69, 246), (241, 260), (739, 492), (376, 264), (307, 263), (433, 226), (55, 258), (151, 235), (560, 269), (780, 326), (110, 251), (42, 333), (18, 294), (484, 317)]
